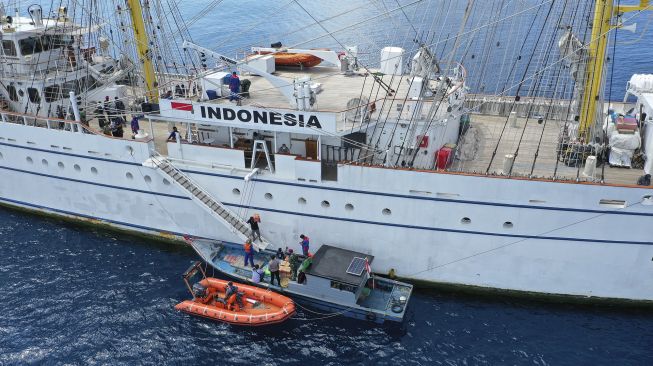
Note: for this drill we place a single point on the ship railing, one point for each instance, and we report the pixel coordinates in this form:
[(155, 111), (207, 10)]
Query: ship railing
[(59, 124), (42, 122), (200, 164)]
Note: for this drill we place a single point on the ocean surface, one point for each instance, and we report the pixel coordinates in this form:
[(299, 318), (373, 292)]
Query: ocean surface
[(74, 295)]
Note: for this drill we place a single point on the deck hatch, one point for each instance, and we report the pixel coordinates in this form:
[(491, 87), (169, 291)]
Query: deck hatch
[(357, 266)]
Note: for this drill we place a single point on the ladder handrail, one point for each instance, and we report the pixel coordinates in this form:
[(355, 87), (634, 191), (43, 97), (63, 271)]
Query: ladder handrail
[(244, 229)]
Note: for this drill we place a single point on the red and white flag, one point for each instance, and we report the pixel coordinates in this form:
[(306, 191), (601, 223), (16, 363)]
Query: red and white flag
[(368, 268), (182, 106)]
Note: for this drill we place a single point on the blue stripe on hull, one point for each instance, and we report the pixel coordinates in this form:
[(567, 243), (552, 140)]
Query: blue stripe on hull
[(384, 194), (413, 227)]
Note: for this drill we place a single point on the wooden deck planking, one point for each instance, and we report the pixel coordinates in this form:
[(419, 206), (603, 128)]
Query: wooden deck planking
[(546, 164)]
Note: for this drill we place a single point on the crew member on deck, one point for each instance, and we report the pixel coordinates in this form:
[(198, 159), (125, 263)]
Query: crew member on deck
[(305, 244), (234, 87), (253, 224), (257, 274), (174, 134), (284, 149), (249, 252)]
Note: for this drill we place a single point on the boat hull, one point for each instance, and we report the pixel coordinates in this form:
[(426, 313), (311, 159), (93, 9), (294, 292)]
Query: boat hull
[(278, 307), (568, 245)]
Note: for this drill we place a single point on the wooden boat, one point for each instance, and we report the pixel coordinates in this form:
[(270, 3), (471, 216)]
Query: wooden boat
[(254, 306), (334, 280), (294, 59)]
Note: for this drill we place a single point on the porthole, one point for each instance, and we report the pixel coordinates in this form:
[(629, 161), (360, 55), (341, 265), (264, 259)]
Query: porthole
[(29, 160), (507, 225), (44, 162), (646, 200), (166, 182), (60, 165), (301, 201), (147, 179), (268, 196), (465, 220), (349, 207), (326, 204), (93, 170), (386, 211), (129, 175), (1, 156), (236, 191), (77, 168)]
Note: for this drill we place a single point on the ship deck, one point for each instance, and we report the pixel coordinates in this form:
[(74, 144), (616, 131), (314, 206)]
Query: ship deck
[(546, 165), (336, 88), (537, 138)]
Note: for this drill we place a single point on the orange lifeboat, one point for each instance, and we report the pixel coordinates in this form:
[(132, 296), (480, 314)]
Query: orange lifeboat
[(294, 59), (257, 306)]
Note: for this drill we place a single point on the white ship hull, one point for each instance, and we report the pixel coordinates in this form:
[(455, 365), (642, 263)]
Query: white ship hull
[(560, 241)]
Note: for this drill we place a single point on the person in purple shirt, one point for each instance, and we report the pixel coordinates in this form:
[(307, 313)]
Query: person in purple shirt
[(134, 125), (234, 86)]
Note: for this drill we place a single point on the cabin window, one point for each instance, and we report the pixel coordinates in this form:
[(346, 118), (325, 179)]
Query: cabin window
[(12, 93), (343, 286), (30, 45), (52, 93), (9, 48), (33, 94), (50, 42), (80, 86)]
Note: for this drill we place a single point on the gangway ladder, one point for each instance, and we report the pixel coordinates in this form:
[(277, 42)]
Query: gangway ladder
[(200, 196), (260, 144)]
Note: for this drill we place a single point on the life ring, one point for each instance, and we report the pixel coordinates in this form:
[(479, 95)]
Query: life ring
[(370, 316), (396, 308)]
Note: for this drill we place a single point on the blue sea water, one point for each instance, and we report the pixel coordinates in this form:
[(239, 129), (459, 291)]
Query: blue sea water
[(74, 295)]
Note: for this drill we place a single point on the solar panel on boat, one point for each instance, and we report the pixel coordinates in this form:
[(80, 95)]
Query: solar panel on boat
[(357, 266)]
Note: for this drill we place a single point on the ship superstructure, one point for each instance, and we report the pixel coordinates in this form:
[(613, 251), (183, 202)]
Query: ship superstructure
[(388, 160)]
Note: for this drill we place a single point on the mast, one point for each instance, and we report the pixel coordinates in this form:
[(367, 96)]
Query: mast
[(604, 10), (144, 53)]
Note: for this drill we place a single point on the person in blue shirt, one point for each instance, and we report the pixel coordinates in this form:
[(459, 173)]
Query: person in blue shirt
[(234, 86), (173, 135)]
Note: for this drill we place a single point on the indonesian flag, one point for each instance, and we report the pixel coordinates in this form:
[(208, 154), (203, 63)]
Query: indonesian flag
[(369, 270), (182, 106)]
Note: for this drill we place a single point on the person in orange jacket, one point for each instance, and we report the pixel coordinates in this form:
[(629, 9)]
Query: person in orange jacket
[(249, 252)]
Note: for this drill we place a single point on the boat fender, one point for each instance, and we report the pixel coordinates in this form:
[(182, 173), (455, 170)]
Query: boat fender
[(396, 308), (371, 316)]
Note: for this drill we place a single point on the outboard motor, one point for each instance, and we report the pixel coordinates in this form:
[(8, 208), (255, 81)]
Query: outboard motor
[(199, 290)]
